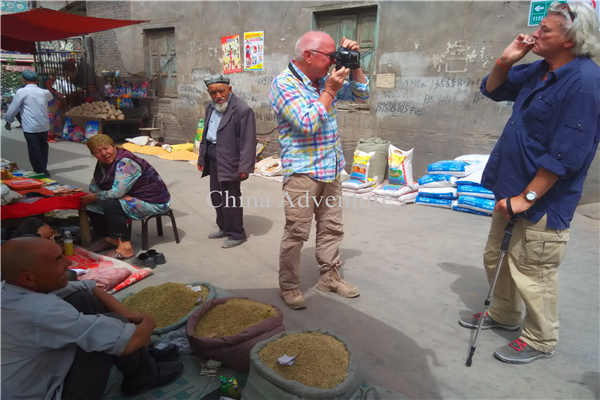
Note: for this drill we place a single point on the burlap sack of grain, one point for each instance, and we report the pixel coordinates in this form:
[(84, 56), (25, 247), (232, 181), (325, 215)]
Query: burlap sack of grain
[(211, 295), (264, 383), (232, 351), (378, 163)]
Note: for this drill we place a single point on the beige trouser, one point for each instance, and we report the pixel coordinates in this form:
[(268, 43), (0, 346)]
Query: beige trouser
[(528, 274), (304, 197)]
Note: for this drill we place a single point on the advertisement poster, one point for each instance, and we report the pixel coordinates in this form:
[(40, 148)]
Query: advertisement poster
[(232, 62), (254, 50)]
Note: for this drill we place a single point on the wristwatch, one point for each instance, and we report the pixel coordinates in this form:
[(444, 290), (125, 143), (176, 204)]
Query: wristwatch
[(531, 196)]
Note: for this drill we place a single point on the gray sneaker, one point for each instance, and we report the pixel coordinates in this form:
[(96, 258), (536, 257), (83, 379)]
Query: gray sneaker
[(519, 352), (232, 243), (471, 321), (217, 235)]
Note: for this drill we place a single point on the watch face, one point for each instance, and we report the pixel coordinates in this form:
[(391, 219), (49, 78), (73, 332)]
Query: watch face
[(530, 196)]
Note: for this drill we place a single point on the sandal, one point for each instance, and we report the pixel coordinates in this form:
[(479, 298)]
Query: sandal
[(100, 246), (117, 255)]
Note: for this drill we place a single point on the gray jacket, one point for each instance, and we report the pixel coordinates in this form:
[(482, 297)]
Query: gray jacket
[(236, 141)]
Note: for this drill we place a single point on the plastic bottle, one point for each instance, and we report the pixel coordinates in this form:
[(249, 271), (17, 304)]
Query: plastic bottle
[(68, 243), (198, 138)]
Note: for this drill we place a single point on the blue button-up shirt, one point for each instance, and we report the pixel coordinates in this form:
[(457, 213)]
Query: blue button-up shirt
[(213, 126), (555, 125), (32, 102), (40, 336)]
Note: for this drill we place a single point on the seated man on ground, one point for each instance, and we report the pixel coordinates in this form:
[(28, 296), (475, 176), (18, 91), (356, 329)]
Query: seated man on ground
[(123, 187), (60, 339)]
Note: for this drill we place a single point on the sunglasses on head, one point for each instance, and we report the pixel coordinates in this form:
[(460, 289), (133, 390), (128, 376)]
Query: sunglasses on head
[(565, 6)]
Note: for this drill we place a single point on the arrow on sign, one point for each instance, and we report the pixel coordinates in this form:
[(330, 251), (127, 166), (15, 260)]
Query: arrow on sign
[(539, 8)]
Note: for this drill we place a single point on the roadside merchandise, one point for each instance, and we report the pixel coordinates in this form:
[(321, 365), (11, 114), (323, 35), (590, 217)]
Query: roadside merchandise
[(325, 368), (233, 350), (456, 184), (87, 262), (379, 159), (400, 166)]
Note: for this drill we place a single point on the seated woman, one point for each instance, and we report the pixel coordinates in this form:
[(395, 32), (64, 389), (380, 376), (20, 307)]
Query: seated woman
[(123, 187)]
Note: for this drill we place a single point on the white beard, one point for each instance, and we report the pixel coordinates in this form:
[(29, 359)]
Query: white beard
[(221, 107)]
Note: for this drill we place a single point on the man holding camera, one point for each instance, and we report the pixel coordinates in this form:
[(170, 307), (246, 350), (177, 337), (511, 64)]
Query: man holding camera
[(303, 97)]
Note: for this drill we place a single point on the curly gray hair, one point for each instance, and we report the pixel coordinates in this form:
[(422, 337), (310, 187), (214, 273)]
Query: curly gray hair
[(581, 26)]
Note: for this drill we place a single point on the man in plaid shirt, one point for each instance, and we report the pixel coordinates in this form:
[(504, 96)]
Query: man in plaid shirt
[(304, 96)]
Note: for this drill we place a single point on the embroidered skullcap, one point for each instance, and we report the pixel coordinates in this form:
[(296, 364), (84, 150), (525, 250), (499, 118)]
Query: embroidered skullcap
[(99, 140), (29, 75), (216, 79)]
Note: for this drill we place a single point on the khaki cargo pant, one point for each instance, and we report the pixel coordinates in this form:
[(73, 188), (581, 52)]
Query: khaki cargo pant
[(529, 275), (304, 197)]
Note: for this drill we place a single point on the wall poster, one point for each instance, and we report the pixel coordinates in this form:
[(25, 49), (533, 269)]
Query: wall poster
[(254, 51), (232, 62)]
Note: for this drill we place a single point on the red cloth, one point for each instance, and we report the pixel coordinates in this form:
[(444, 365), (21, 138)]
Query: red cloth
[(22, 210), (20, 30)]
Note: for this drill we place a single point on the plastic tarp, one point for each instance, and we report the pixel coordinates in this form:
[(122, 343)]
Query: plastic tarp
[(21, 30)]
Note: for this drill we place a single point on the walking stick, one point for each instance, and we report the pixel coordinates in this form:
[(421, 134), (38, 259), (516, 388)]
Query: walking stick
[(487, 302)]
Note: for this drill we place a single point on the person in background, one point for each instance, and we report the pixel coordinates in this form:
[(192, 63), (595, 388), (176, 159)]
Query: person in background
[(123, 187), (303, 97), (31, 102), (60, 339), (227, 153), (536, 171), (33, 226)]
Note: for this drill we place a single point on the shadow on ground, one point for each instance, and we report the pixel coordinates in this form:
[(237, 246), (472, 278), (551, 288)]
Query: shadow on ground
[(256, 225), (398, 362), (472, 288)]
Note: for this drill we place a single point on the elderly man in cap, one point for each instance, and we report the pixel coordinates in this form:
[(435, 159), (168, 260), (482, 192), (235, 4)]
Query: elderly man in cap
[(227, 153), (31, 102)]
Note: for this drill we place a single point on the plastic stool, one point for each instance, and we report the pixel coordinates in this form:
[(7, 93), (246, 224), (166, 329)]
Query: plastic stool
[(159, 227)]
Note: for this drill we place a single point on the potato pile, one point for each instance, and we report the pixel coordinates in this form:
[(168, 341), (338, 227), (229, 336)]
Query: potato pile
[(97, 110)]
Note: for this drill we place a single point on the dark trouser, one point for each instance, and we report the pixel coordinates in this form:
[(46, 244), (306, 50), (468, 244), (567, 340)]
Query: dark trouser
[(226, 198), (113, 223), (89, 373), (37, 147)]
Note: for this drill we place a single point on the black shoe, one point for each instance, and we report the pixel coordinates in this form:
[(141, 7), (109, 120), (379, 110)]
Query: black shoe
[(159, 258), (168, 353), (168, 372)]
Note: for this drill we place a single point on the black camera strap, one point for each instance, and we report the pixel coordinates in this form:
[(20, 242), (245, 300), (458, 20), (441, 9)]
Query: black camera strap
[(294, 72)]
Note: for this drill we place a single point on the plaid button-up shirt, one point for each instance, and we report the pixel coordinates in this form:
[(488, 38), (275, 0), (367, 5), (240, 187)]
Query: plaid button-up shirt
[(308, 132)]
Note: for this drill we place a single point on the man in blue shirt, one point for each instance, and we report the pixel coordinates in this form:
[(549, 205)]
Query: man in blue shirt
[(537, 170), (60, 339), (31, 102)]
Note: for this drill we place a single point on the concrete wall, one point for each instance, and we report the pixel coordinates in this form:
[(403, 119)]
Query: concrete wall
[(437, 51)]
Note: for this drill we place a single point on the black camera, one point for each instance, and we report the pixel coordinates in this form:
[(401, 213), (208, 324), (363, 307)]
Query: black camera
[(347, 58)]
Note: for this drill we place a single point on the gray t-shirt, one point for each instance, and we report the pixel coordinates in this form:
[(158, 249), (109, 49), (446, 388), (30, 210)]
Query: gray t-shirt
[(40, 335)]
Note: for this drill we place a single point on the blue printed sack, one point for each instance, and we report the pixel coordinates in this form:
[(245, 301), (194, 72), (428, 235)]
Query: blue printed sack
[(439, 193), (437, 180), (475, 191), (450, 167), (476, 203), (431, 201)]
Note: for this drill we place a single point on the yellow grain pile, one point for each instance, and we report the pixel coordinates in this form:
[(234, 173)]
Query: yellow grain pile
[(232, 317), (166, 303), (321, 360)]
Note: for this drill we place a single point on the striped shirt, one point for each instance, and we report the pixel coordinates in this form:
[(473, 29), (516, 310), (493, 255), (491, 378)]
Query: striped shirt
[(308, 132)]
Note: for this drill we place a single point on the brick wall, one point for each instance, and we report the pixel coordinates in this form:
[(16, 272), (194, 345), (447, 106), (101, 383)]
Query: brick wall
[(106, 51)]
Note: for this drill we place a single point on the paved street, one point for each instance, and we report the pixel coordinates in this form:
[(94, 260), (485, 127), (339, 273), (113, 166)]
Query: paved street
[(416, 266)]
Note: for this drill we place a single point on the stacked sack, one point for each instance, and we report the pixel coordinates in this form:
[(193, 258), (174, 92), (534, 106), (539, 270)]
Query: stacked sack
[(438, 187), (472, 197), (368, 167), (401, 189)]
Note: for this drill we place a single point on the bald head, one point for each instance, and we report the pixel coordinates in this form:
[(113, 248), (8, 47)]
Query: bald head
[(19, 255), (34, 263), (310, 41)]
